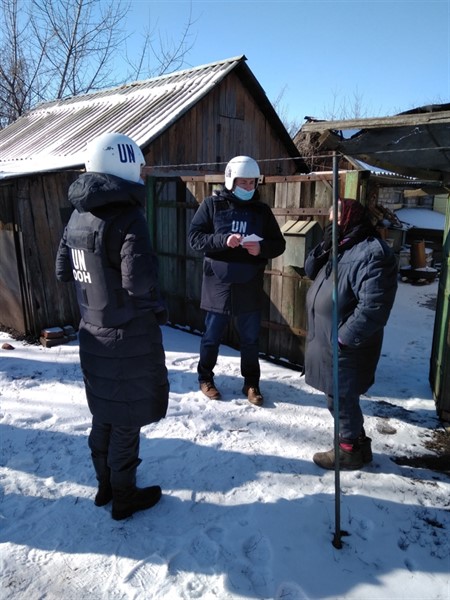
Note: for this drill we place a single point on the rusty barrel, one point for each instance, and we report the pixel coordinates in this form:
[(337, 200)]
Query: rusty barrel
[(418, 258)]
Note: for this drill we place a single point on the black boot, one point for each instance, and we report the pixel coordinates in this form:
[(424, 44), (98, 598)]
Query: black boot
[(365, 443), (103, 473), (127, 501), (104, 493)]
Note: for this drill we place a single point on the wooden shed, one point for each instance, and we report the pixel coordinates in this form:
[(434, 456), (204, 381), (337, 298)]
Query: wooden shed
[(189, 122)]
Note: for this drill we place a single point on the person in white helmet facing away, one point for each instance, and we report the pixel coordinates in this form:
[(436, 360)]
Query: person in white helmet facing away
[(106, 251), (238, 234)]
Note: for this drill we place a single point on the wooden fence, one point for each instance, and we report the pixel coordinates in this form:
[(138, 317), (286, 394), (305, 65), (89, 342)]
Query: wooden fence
[(34, 210)]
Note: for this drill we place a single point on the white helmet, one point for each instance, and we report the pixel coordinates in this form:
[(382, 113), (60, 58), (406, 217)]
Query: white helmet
[(115, 154), (240, 166)]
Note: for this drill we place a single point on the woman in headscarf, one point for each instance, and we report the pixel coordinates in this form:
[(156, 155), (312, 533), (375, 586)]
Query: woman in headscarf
[(367, 283)]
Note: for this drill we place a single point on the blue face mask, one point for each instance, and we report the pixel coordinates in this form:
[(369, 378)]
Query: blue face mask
[(243, 194)]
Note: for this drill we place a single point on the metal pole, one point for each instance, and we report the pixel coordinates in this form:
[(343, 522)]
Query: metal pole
[(150, 209), (337, 543)]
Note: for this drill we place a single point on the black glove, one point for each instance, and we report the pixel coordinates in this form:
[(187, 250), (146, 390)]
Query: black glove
[(327, 237)]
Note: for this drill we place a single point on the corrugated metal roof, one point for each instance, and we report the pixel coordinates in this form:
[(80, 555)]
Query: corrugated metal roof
[(53, 135)]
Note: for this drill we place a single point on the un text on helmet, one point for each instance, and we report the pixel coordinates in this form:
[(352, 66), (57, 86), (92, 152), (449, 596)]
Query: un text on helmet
[(126, 153)]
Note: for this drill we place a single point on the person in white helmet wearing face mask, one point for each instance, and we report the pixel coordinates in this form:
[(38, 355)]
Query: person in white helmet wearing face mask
[(106, 250), (237, 233)]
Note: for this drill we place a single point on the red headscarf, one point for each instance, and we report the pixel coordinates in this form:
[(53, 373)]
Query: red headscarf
[(351, 214)]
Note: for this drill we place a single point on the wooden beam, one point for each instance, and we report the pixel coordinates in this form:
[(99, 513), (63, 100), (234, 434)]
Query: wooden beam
[(431, 118), (282, 327), (297, 212)]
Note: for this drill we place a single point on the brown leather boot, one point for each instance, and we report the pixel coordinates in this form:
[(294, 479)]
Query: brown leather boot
[(253, 394), (348, 460), (210, 390)]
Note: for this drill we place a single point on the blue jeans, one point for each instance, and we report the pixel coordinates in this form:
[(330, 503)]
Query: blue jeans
[(248, 326)]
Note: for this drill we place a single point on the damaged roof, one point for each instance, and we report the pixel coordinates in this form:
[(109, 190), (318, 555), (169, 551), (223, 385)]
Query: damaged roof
[(414, 143)]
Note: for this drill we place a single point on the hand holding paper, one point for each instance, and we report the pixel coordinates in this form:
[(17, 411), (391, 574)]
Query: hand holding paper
[(251, 244), (251, 238)]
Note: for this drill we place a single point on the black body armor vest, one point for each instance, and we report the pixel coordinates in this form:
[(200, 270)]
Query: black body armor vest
[(102, 300)]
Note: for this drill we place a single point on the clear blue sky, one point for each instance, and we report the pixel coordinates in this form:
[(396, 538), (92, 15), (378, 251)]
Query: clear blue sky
[(388, 56)]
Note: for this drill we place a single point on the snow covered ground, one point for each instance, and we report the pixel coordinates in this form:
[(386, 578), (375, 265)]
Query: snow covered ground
[(245, 513)]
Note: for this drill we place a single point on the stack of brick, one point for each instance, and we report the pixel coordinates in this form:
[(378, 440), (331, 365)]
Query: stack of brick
[(55, 336), (390, 197)]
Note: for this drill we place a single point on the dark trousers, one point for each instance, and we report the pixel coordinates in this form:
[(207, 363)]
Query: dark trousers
[(351, 419), (248, 326), (115, 448)]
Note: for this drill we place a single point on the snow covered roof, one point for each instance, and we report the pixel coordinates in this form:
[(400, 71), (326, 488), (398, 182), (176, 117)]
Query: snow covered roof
[(422, 218), (53, 136), (376, 170)]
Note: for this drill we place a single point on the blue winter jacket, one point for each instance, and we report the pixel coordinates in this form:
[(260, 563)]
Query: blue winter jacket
[(367, 284)]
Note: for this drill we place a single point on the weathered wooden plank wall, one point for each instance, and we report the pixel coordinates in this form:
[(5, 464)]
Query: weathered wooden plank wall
[(225, 123), (37, 210), (11, 265)]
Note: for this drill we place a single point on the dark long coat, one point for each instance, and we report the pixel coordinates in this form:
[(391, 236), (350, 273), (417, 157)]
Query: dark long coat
[(121, 352), (367, 284), (232, 278)]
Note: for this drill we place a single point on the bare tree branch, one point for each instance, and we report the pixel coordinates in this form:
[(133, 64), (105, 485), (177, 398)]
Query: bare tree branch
[(168, 55), (52, 49), (291, 125), (81, 37)]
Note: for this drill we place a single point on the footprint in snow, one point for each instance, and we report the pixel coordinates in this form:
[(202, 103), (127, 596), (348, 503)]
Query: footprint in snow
[(257, 549), (290, 591)]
